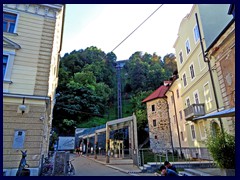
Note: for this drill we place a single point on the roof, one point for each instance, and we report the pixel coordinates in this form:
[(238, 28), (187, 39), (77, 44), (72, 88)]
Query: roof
[(159, 93)]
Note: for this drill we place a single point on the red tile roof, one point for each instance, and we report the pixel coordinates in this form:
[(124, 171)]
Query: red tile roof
[(159, 93)]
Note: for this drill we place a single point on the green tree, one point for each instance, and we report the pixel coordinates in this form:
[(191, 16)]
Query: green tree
[(222, 149)]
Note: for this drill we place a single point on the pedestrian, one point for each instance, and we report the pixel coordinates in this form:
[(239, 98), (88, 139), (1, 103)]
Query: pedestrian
[(167, 172), (170, 166), (78, 151)]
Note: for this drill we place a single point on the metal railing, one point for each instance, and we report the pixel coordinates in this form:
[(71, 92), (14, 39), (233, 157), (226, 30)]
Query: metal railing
[(190, 155), (194, 110)]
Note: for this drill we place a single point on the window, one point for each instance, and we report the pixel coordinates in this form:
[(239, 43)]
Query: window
[(180, 114), (187, 46), (8, 59), (5, 60), (181, 57), (172, 99), (155, 137), (207, 93), (182, 136), (9, 22), (193, 132), (196, 33), (174, 119), (192, 73), (202, 129), (196, 98), (153, 108), (201, 62), (177, 92), (188, 102), (184, 80), (154, 123)]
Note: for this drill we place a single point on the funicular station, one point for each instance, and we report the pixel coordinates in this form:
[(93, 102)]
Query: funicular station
[(115, 139)]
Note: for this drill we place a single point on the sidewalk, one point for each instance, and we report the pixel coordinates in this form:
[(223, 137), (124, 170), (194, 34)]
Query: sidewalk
[(123, 165)]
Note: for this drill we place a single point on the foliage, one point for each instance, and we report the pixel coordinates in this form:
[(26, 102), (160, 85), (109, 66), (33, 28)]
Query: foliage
[(53, 140), (87, 88), (86, 80), (222, 149)]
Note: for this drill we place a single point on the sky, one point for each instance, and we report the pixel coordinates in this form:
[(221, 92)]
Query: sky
[(107, 25)]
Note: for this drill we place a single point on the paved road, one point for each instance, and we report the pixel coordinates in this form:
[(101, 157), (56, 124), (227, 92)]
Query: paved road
[(87, 167)]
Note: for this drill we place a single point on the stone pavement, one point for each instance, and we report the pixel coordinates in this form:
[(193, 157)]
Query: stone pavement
[(127, 166)]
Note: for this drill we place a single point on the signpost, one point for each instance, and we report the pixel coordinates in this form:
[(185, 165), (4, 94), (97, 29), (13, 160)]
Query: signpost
[(66, 143)]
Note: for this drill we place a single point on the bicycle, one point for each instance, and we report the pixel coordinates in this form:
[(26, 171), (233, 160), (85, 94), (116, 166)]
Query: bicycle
[(47, 168), (70, 168)]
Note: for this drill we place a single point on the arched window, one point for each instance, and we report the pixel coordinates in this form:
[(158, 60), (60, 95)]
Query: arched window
[(215, 128)]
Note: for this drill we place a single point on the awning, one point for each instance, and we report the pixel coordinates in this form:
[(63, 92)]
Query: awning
[(224, 113)]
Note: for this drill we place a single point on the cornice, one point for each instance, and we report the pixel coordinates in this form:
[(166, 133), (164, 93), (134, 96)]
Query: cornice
[(46, 10)]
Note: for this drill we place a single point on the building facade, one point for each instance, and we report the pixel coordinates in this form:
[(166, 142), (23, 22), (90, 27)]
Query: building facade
[(222, 53), (158, 120), (32, 37), (199, 95), (177, 118)]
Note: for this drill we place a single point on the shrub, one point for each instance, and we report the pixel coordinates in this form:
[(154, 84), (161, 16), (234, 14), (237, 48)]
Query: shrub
[(222, 149)]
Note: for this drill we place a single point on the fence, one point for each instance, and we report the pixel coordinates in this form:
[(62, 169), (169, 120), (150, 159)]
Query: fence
[(146, 155)]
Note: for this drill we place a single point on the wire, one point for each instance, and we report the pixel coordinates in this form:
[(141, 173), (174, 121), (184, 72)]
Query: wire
[(136, 28)]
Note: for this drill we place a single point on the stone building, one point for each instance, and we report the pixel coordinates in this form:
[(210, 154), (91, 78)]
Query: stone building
[(158, 119), (32, 37)]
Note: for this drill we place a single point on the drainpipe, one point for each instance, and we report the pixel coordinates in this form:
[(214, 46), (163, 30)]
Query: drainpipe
[(206, 59), (169, 125), (179, 141)]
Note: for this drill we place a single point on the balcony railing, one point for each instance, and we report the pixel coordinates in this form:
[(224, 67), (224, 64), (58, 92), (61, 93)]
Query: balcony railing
[(194, 110)]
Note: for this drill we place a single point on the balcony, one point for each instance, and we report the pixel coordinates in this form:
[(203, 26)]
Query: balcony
[(194, 110)]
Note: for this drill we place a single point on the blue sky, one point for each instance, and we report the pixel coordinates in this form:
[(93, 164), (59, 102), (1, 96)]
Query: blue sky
[(106, 25)]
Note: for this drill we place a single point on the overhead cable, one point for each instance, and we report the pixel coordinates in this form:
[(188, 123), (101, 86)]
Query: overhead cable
[(137, 28)]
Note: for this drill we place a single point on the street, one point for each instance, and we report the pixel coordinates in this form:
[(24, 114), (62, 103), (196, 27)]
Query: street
[(87, 167)]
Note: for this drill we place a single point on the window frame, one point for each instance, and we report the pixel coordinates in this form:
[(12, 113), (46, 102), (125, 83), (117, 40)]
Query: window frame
[(153, 108), (210, 94), (16, 22), (154, 123), (187, 42), (194, 93), (184, 79), (192, 71), (186, 101), (182, 136), (192, 130), (199, 62), (204, 129), (194, 34), (177, 92), (180, 57), (9, 66), (181, 115)]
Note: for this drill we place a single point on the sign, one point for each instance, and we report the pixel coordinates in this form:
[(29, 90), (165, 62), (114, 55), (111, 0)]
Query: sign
[(66, 143), (19, 138)]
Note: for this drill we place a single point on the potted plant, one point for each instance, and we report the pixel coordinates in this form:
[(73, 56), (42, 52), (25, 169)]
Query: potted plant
[(222, 149)]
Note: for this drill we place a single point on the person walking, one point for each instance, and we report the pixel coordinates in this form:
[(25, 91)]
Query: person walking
[(167, 172)]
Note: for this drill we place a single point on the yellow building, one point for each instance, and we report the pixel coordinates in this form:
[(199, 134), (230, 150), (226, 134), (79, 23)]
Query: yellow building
[(199, 95), (176, 115), (32, 37)]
